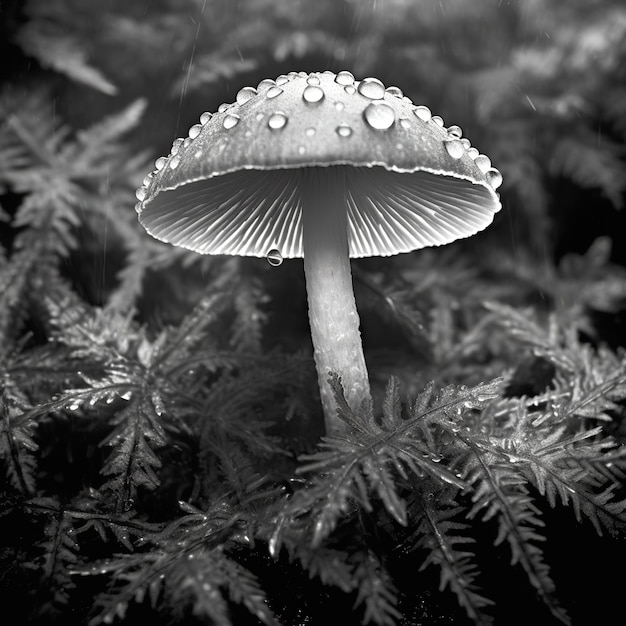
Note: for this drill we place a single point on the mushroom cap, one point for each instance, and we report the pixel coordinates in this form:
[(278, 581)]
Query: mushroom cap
[(232, 185)]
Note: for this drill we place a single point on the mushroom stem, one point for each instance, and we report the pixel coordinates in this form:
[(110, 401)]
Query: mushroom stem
[(332, 309)]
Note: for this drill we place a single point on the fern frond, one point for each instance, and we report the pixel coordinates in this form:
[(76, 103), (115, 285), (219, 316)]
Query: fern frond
[(443, 540)]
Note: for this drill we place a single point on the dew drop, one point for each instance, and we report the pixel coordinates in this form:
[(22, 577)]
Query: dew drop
[(301, 150), (466, 143), (473, 152), (371, 88), (313, 94), (313, 80), (160, 163), (438, 120), (394, 91), (266, 83), (243, 95), (224, 107), (344, 78), (422, 112), (273, 91), (454, 148), (350, 89), (405, 123), (147, 180), (230, 121), (309, 132), (282, 79), (186, 142), (340, 106), (194, 131), (455, 131), (343, 130), (379, 115), (483, 162), (494, 178), (205, 117), (174, 162), (140, 194), (276, 121), (274, 257), (176, 144)]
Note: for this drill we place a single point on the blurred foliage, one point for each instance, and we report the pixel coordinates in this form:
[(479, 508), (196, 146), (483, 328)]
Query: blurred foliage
[(160, 420)]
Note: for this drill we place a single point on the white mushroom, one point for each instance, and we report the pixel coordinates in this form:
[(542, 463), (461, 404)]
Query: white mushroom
[(324, 167)]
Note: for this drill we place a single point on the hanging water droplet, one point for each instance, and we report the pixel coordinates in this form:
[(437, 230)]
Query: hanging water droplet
[(483, 163), (205, 117), (350, 89), (455, 131), (312, 80), (438, 120), (454, 148), (422, 112), (494, 178), (371, 88), (309, 132), (230, 121), (394, 91), (194, 131), (160, 163), (344, 78), (274, 91), (313, 94), (174, 162), (276, 121), (274, 257), (243, 95), (343, 130), (379, 115)]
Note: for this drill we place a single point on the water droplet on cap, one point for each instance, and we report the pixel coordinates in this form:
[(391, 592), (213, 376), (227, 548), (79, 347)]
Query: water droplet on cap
[(454, 148), (301, 150), (422, 112), (148, 179), (350, 89), (274, 257), (344, 78), (282, 79), (177, 143), (438, 120), (276, 121), (266, 83), (483, 162), (194, 131), (313, 94), (340, 106), (273, 91), (394, 91), (473, 152), (230, 121), (466, 143), (455, 131), (494, 178), (309, 132), (379, 115), (160, 163), (343, 130), (174, 162), (243, 95), (224, 107), (313, 80), (405, 123), (205, 117), (140, 194), (371, 88)]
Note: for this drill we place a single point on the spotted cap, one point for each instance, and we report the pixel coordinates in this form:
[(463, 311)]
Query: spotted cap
[(231, 186)]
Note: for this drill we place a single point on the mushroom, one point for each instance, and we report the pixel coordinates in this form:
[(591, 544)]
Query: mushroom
[(325, 167)]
